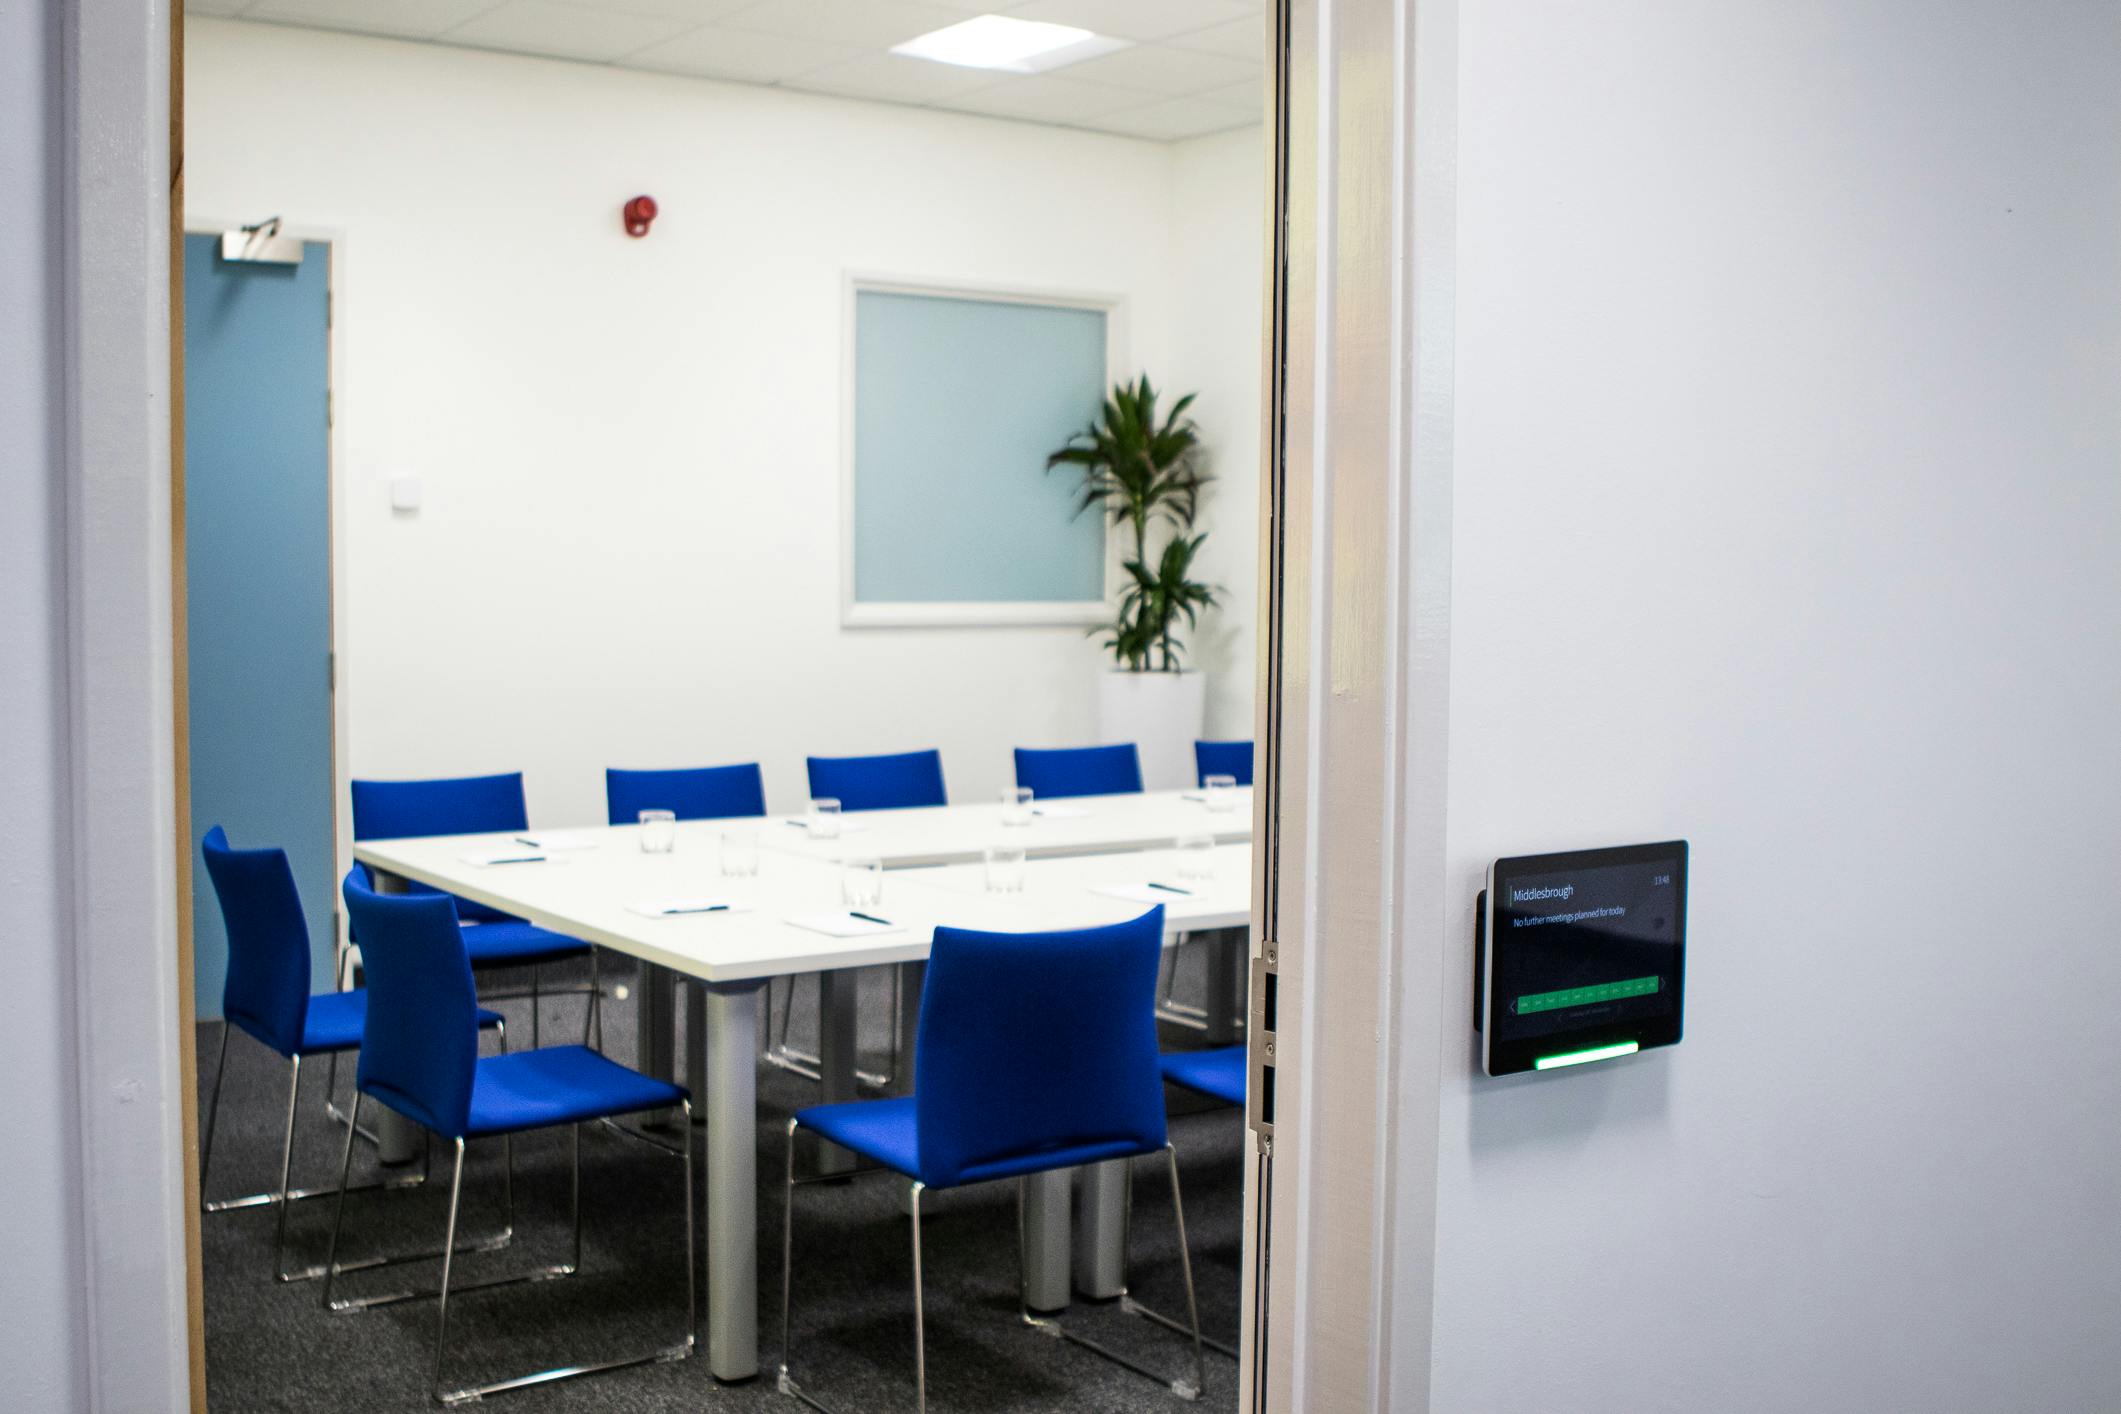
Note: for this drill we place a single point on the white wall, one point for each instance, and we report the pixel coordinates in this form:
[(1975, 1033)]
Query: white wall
[(41, 1346), (1218, 234), (1787, 494), (628, 553)]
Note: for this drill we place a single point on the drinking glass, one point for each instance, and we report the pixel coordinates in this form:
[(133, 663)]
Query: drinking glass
[(659, 831), (1196, 857), (1016, 805), (1005, 868), (1220, 792), (740, 854), (824, 821), (862, 883)]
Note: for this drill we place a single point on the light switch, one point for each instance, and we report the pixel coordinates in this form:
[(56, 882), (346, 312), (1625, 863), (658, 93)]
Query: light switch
[(405, 493)]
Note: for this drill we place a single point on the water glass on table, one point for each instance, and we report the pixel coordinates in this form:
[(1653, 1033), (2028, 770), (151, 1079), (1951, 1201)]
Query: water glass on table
[(1220, 793), (1016, 805), (862, 883), (824, 818), (659, 831), (1005, 868), (740, 853), (1196, 858)]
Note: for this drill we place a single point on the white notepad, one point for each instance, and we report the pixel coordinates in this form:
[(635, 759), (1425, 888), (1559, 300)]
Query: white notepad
[(1060, 812), (842, 924), (521, 854), (687, 907), (1142, 893)]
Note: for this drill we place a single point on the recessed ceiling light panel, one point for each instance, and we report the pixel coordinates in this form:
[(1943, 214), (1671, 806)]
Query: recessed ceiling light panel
[(1013, 46)]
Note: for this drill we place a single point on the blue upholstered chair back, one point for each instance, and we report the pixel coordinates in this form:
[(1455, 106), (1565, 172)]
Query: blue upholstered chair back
[(703, 793), (267, 989), (1035, 1042), (1223, 758), (900, 782), (420, 1044), (1080, 770), (461, 805)]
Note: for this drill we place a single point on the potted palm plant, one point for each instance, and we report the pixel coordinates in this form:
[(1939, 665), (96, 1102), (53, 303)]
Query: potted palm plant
[(1145, 474)]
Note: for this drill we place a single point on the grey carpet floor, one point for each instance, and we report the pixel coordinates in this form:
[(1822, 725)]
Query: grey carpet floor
[(271, 1346)]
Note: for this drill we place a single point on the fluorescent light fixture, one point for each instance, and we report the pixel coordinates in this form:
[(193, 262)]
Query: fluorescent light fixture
[(1013, 46), (1596, 1053)]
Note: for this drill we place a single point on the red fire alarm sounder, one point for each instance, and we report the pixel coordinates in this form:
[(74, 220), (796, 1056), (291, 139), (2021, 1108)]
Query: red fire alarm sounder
[(637, 213)]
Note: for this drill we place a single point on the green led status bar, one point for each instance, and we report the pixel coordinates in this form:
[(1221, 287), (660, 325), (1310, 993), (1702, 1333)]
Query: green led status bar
[(1595, 1053), (1583, 996)]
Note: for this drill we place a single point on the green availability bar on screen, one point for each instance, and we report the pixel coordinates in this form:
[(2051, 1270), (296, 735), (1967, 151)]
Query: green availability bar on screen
[(1583, 996)]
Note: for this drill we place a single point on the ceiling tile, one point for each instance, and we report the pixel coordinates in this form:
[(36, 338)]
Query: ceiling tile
[(699, 12), (893, 78), (868, 24), (1154, 69), (1239, 39), (1247, 97), (1131, 19), (738, 54), (1044, 98), (562, 31), (1173, 118), (418, 19)]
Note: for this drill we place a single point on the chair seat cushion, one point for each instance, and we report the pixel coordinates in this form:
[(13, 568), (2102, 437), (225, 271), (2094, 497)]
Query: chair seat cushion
[(335, 1020), (1220, 1073), (559, 1085), (887, 1132), (512, 942)]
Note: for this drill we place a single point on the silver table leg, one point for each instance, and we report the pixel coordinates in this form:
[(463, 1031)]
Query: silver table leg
[(1101, 1234), (1046, 1224), (695, 1026), (655, 1032), (838, 1010), (398, 1139), (1226, 963), (728, 1050)]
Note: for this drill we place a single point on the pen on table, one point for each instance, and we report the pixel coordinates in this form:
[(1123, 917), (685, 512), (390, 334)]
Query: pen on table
[(520, 859), (1169, 888), (869, 918), (707, 908)]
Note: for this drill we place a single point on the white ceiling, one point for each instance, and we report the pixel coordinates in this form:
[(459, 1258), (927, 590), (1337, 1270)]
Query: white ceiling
[(1194, 66)]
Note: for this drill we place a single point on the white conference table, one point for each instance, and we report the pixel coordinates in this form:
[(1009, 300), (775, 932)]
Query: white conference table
[(586, 893), (1091, 824)]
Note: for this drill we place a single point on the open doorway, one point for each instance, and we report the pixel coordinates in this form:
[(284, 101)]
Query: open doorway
[(751, 473)]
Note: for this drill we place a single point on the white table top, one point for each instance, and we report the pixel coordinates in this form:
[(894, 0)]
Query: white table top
[(586, 893), (953, 834), (1057, 885)]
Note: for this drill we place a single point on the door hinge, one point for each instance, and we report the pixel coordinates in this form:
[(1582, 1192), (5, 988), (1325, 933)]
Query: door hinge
[(1262, 1060)]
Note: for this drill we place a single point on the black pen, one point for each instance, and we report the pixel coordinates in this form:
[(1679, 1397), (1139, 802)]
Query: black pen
[(1169, 888), (869, 918)]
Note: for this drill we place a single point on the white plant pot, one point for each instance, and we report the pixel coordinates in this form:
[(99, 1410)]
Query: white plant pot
[(1162, 714)]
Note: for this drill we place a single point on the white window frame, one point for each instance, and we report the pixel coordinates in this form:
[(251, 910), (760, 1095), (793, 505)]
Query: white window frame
[(969, 613)]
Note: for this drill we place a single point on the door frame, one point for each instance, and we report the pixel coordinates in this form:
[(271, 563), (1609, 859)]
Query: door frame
[(1352, 715), (334, 240)]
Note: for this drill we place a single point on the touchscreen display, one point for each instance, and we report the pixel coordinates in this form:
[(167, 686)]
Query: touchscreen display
[(1586, 948)]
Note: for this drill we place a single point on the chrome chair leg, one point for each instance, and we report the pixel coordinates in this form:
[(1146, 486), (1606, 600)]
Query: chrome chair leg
[(1132, 1307), (287, 1159), (1184, 1389), (449, 1242), (213, 1112), (920, 1330)]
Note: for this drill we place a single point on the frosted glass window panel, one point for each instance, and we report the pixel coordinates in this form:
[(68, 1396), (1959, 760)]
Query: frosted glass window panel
[(958, 400)]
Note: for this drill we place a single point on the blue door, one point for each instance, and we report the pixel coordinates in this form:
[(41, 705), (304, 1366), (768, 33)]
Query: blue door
[(257, 559)]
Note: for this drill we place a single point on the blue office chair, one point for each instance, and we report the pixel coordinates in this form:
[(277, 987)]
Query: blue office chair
[(266, 995), (1002, 1091), (906, 780), (900, 782), (1223, 758), (1220, 1075), (472, 805), (704, 793), (419, 1058), (1080, 770)]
